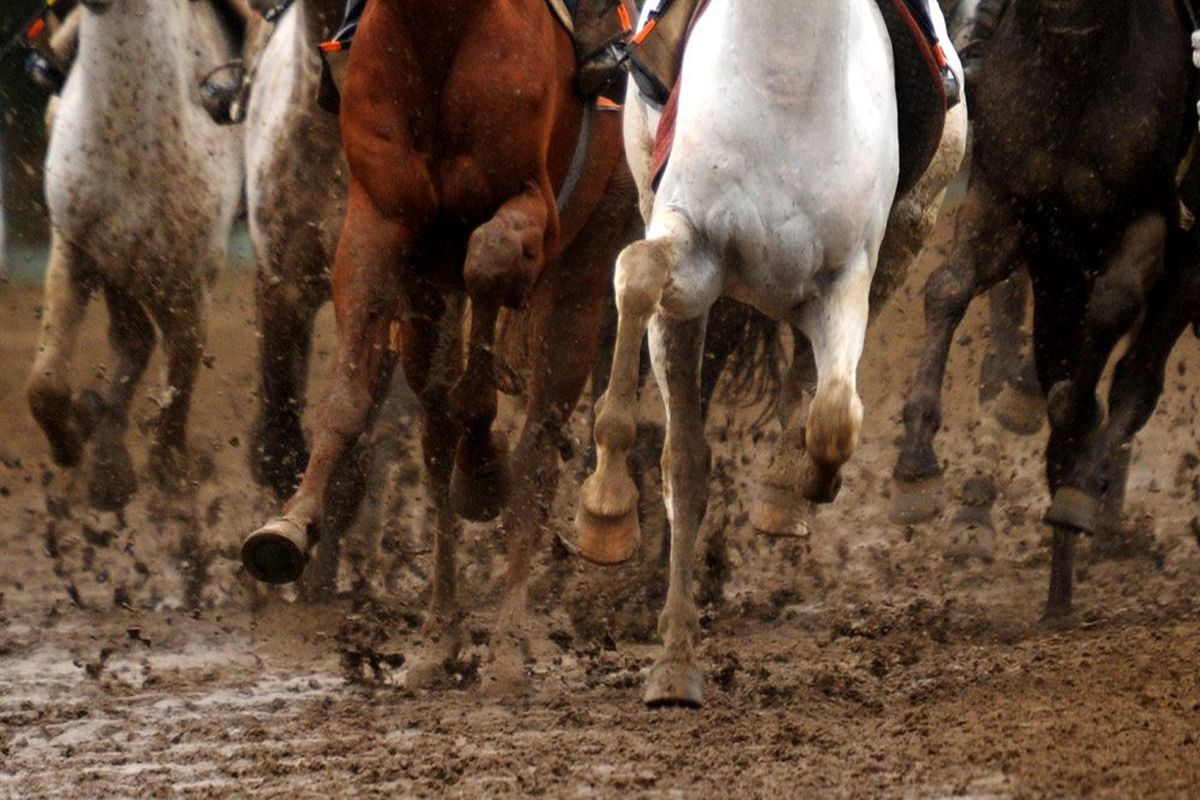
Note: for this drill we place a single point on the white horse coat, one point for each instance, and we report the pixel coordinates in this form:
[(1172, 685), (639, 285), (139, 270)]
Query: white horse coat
[(778, 193)]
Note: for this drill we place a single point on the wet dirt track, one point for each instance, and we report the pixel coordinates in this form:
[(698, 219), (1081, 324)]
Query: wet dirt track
[(859, 663)]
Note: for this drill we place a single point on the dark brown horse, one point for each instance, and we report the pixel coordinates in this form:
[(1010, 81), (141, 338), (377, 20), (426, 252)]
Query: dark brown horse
[(461, 127), (1082, 116)]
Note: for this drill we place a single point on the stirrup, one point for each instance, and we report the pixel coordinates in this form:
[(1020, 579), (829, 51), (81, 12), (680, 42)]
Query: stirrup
[(953, 87), (604, 73), (44, 73), (225, 101)]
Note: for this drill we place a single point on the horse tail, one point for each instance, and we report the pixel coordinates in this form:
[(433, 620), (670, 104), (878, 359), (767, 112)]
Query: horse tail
[(755, 358)]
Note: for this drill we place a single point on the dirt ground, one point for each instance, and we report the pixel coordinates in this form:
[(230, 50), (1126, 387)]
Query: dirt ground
[(137, 660)]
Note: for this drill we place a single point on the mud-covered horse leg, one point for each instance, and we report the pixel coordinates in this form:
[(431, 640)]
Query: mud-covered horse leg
[(1116, 299), (111, 477), (183, 321), (430, 353), (1097, 476), (986, 239), (567, 308), (66, 295), (366, 295), (606, 520), (1008, 385), (677, 347), (286, 311), (505, 255), (778, 510)]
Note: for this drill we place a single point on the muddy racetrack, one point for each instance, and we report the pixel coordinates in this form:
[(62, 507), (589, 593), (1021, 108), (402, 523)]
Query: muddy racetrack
[(137, 660)]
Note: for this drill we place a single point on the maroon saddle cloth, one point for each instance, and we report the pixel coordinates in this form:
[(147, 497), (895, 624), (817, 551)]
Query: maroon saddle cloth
[(920, 97)]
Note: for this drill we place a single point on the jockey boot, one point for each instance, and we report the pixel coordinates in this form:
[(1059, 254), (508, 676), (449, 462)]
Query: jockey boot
[(334, 56), (920, 12), (601, 33), (659, 53), (54, 39), (225, 90), (987, 18)]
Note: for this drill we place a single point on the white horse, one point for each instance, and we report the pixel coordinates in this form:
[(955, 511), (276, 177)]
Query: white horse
[(778, 194), (142, 188), (296, 186)]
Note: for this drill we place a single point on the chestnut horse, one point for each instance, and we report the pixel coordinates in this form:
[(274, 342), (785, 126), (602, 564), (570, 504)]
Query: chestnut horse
[(462, 132)]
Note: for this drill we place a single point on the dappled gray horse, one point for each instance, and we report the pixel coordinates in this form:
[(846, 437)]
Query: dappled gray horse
[(142, 188)]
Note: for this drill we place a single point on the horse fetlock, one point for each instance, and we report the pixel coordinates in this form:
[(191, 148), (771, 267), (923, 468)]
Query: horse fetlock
[(616, 427), (834, 423), (50, 404)]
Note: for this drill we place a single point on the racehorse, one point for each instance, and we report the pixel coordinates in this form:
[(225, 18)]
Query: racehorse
[(1081, 119), (778, 193), (296, 185), (476, 174), (142, 188)]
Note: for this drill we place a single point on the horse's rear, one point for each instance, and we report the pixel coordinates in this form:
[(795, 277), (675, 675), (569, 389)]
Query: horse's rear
[(460, 125), (142, 188), (778, 191), (1082, 116)]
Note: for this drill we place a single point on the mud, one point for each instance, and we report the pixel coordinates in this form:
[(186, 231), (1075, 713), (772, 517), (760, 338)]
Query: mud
[(137, 660)]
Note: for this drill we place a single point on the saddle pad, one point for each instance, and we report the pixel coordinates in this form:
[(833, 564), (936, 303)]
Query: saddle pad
[(920, 98)]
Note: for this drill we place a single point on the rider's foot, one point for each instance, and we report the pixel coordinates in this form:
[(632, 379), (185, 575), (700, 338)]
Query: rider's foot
[(224, 99), (604, 73), (44, 72)]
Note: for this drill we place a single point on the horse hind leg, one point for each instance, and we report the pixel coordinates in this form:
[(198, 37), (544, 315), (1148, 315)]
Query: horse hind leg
[(565, 318), (1008, 386), (174, 466), (505, 255), (111, 478), (677, 347), (606, 521), (287, 306), (986, 243), (836, 325), (67, 425), (366, 297)]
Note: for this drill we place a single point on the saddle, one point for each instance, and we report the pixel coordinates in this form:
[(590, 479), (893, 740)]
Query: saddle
[(920, 92)]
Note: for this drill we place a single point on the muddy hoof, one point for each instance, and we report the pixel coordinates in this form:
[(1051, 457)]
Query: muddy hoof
[(276, 552), (914, 502), (1075, 509), (675, 683), (504, 678), (973, 536), (479, 486), (779, 512), (606, 541), (1017, 411), (1058, 616), (111, 479)]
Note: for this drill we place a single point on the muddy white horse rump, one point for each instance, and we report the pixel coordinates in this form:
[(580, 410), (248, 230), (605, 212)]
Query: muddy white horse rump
[(778, 192), (141, 188)]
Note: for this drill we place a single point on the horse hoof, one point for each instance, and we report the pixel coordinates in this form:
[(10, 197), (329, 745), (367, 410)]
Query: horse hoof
[(606, 541), (504, 678), (1017, 411), (1058, 616), (914, 502), (675, 683), (276, 552), (1075, 509), (973, 536), (479, 488), (111, 479), (779, 512)]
